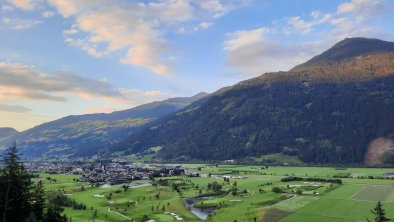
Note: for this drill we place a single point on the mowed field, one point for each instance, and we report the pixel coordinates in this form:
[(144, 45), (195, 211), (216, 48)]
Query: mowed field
[(350, 202), (319, 201)]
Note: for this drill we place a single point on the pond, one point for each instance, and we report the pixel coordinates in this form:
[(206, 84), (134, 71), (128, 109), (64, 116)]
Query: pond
[(200, 213)]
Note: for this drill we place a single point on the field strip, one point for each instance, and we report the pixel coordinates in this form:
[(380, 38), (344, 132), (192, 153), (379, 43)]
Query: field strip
[(350, 198), (332, 198), (285, 200), (124, 216), (368, 184)]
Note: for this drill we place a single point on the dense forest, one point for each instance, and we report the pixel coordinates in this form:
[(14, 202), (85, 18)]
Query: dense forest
[(325, 116)]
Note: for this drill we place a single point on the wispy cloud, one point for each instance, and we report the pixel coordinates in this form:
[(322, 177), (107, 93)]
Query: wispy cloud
[(12, 108), (25, 4), (18, 24), (24, 82), (364, 8), (48, 14)]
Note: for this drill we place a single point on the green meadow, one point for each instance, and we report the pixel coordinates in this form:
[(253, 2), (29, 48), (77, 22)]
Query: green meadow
[(252, 200)]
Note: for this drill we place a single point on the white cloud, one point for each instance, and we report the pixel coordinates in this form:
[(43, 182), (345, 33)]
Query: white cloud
[(217, 7), (85, 45), (364, 8), (24, 24), (65, 8), (263, 56), (243, 38), (169, 11), (299, 25), (24, 4), (48, 14), (199, 27), (204, 25)]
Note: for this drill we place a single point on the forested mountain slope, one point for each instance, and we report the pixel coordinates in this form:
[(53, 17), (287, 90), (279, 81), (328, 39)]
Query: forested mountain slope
[(327, 110)]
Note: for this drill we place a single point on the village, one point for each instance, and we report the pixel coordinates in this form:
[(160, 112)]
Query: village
[(109, 172)]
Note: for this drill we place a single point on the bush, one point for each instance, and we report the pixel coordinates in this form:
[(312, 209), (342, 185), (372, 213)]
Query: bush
[(277, 190)]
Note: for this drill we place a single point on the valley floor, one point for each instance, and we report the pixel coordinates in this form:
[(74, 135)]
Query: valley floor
[(253, 199)]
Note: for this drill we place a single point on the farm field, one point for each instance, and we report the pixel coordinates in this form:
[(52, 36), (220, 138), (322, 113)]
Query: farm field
[(235, 193)]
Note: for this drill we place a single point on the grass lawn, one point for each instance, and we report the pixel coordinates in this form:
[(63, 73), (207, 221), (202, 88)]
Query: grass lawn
[(345, 191)]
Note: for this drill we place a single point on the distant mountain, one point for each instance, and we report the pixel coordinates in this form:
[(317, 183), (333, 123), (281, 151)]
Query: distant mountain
[(331, 109), (83, 134), (7, 132)]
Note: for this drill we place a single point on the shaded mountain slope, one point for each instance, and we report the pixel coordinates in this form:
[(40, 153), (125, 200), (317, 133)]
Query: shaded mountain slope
[(83, 134)]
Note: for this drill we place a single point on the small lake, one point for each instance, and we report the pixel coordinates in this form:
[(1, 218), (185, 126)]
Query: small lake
[(200, 213), (107, 185), (136, 185)]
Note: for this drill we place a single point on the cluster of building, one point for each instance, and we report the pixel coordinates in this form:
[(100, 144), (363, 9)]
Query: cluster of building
[(109, 172)]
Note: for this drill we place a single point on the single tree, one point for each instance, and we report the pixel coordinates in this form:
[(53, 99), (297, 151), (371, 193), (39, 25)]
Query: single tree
[(15, 184), (380, 215)]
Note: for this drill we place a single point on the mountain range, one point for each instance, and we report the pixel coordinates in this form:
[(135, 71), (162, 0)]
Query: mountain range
[(336, 108), (82, 135)]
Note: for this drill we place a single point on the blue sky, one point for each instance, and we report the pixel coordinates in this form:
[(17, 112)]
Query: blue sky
[(67, 57)]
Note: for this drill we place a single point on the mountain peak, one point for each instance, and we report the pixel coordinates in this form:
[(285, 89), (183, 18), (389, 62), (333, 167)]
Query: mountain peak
[(6, 132), (351, 48), (352, 59)]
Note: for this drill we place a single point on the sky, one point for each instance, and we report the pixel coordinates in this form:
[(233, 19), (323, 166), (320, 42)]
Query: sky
[(72, 57)]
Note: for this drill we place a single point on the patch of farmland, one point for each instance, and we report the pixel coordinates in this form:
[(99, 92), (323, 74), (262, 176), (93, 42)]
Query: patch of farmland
[(295, 203), (374, 193), (273, 214), (345, 191)]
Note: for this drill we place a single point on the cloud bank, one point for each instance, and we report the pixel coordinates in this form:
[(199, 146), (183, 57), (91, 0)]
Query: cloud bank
[(24, 82)]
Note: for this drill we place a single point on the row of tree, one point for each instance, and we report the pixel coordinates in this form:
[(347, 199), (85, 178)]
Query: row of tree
[(21, 199)]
